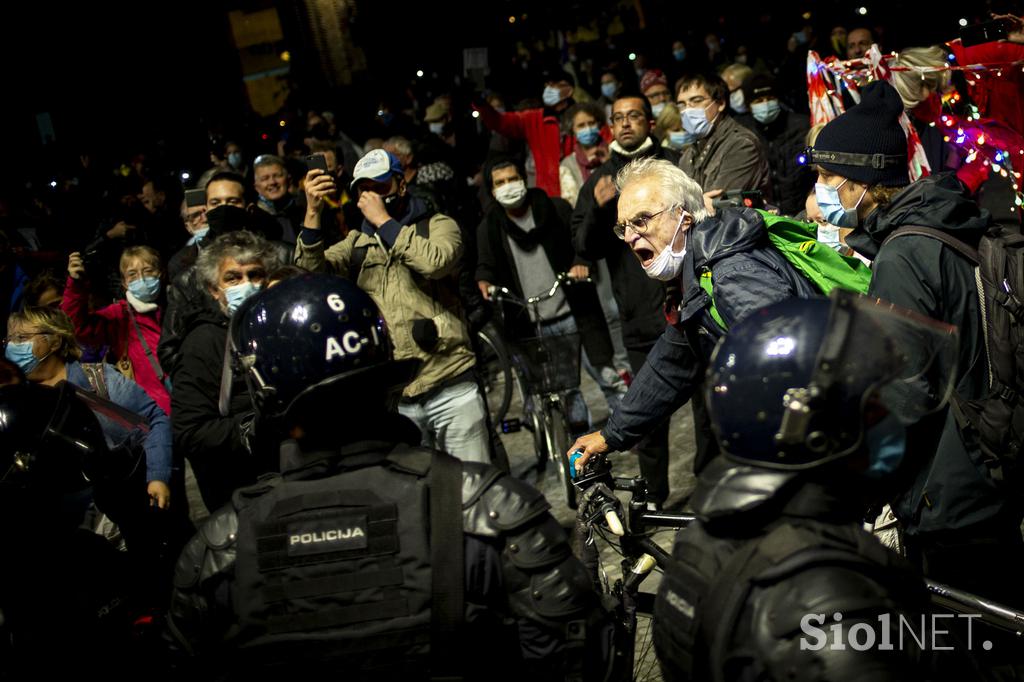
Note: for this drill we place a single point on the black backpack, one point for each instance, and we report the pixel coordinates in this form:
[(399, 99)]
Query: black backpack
[(998, 417), (362, 569)]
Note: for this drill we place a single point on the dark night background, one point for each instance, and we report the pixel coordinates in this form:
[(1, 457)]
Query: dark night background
[(118, 76)]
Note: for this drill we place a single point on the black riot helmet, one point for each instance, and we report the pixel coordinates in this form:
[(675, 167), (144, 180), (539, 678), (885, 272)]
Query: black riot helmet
[(50, 439), (799, 383), (315, 341)]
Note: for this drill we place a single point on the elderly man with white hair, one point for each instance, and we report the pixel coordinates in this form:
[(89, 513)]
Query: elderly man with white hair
[(727, 269)]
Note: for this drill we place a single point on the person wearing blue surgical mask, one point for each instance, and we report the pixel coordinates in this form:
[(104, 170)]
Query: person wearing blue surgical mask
[(131, 327), (236, 160), (212, 427), (725, 154), (585, 121), (785, 136), (610, 88), (44, 344)]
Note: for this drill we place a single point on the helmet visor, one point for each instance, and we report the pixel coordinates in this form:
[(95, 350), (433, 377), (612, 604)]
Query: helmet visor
[(879, 350)]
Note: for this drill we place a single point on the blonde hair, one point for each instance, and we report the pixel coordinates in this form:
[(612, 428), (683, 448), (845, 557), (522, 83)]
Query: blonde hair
[(147, 254), (667, 120), (911, 84), (812, 134), (52, 321), (738, 72)]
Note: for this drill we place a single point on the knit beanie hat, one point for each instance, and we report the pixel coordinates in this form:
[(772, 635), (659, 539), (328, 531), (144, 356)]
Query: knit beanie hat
[(867, 143), (758, 86)]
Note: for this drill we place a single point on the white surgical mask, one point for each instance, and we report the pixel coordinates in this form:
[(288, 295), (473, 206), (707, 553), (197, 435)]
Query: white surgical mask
[(656, 109), (737, 102), (669, 263), (511, 194), (436, 127)]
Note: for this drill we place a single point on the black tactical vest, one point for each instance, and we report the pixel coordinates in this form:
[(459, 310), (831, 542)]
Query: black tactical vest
[(339, 572)]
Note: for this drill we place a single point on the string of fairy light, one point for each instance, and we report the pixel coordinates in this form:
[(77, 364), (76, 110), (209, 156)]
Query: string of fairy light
[(969, 138)]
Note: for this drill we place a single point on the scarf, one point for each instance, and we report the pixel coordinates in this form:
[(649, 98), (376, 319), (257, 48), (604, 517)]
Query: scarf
[(139, 306), (586, 165), (617, 148)]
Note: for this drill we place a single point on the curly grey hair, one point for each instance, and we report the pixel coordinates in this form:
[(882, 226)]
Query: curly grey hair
[(245, 247)]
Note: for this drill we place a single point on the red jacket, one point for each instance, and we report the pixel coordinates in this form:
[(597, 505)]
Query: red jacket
[(998, 95), (112, 326), (542, 133)]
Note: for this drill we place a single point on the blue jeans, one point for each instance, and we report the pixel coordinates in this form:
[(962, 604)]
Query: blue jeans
[(453, 421)]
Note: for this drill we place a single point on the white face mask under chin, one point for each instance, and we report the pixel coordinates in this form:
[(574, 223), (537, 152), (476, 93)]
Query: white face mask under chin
[(669, 263)]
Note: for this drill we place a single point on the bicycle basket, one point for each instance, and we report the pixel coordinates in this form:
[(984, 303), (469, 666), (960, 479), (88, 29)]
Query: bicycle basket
[(550, 364)]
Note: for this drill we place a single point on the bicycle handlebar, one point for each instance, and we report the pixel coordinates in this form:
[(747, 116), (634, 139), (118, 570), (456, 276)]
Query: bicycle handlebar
[(561, 280), (597, 486)]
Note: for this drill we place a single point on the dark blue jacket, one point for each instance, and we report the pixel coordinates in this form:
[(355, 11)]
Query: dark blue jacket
[(130, 396), (748, 273)]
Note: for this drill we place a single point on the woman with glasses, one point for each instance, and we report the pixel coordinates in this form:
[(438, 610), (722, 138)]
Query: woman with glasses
[(130, 326), (41, 341)]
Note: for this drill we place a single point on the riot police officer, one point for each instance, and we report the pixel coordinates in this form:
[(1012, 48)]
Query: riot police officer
[(778, 580), (63, 588), (370, 555)]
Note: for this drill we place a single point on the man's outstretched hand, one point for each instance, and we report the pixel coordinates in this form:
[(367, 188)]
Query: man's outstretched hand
[(591, 444)]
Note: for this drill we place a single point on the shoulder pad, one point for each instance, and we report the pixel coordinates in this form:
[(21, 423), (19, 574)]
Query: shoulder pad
[(788, 616), (476, 478), (727, 489), (538, 545), (826, 589), (209, 551), (502, 503)]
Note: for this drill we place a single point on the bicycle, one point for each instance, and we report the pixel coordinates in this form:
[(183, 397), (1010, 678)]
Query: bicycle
[(600, 512), (547, 368), (497, 377)]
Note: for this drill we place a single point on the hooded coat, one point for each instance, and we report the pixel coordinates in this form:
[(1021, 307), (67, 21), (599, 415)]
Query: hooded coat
[(951, 487), (748, 273)]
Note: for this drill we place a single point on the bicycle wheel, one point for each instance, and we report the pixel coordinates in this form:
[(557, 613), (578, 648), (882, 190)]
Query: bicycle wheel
[(557, 436), (496, 374), (536, 424)]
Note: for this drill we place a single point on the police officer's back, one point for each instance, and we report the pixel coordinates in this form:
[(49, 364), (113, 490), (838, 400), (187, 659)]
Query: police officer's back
[(369, 555), (63, 588), (778, 577)]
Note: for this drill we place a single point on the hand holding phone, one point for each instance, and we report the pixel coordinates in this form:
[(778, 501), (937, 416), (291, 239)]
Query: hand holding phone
[(316, 162)]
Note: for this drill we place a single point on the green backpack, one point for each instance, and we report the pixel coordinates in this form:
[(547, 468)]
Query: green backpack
[(821, 265)]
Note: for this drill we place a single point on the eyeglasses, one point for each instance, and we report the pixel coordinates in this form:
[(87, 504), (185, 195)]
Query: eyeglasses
[(22, 337), (639, 225), (634, 116)]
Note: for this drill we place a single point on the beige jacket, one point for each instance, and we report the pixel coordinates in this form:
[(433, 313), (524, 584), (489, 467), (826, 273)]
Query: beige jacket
[(414, 280)]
